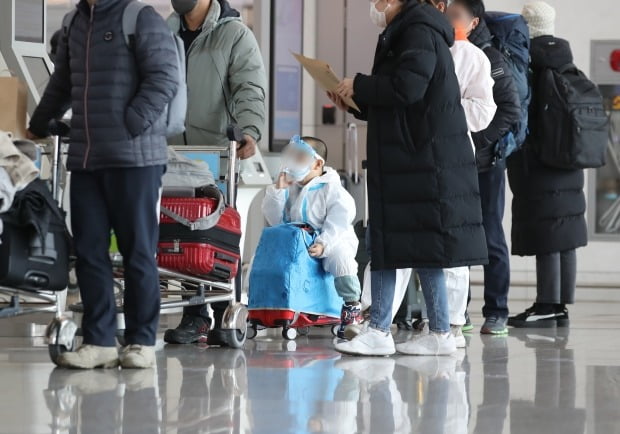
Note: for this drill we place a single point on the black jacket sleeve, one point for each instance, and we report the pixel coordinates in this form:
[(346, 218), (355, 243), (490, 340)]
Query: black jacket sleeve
[(508, 113), (414, 70), (362, 115), (158, 70), (56, 99)]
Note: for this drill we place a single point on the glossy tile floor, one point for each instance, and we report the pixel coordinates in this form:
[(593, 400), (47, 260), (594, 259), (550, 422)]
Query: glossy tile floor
[(535, 381)]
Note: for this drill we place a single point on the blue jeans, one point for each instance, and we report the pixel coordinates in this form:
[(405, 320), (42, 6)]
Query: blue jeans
[(383, 283)]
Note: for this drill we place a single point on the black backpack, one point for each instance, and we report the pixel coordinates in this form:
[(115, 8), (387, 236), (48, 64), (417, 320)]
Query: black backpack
[(568, 124)]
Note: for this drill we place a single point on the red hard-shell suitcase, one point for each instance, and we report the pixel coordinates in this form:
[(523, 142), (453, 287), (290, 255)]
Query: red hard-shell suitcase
[(208, 250)]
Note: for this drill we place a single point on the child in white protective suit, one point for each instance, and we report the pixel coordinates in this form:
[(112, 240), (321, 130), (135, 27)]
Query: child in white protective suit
[(309, 192), (473, 71)]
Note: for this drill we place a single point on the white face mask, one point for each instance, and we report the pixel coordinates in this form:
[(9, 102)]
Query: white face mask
[(296, 172), (377, 17)]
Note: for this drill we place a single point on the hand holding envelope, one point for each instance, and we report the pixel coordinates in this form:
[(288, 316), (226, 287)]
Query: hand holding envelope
[(327, 79)]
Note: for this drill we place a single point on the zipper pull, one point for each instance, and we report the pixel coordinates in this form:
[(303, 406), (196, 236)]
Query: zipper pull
[(92, 13)]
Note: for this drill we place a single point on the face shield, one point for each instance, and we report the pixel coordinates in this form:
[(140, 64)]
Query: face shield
[(297, 159)]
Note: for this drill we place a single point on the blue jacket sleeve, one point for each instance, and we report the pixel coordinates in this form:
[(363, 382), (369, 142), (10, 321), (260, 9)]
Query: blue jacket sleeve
[(156, 56)]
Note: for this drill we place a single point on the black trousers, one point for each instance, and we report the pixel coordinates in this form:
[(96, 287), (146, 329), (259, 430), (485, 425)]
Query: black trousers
[(556, 277), (126, 201), (497, 272)]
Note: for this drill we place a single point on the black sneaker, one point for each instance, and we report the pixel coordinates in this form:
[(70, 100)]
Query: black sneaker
[(536, 316), (193, 329)]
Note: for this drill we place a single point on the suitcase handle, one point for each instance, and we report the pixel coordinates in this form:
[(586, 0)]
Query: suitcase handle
[(202, 224)]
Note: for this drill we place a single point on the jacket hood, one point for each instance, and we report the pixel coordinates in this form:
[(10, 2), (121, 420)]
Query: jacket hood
[(227, 11), (219, 13), (329, 177), (481, 36), (550, 52), (416, 13)]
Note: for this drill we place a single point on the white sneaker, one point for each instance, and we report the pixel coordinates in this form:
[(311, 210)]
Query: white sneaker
[(457, 332), (137, 357), (432, 344), (90, 357), (370, 342)]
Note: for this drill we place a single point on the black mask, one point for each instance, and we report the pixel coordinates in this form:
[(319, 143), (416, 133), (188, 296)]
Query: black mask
[(183, 7)]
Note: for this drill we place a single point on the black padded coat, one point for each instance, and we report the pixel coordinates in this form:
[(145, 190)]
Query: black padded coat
[(423, 191), (506, 98), (117, 94), (549, 204)]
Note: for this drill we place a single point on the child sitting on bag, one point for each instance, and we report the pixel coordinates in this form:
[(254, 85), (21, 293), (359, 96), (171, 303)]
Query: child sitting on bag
[(309, 192)]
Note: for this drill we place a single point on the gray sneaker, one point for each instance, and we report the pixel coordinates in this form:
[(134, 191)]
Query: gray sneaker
[(495, 325), (90, 357), (137, 357)]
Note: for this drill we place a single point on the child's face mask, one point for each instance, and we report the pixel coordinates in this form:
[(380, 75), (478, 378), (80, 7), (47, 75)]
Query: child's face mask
[(298, 158)]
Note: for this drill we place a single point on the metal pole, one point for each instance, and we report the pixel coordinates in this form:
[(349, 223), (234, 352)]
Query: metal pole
[(232, 174), (56, 154)]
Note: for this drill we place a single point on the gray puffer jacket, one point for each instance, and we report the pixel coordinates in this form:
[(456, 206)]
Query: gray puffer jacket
[(118, 95)]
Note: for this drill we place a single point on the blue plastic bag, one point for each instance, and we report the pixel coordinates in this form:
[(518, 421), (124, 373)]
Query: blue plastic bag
[(285, 276)]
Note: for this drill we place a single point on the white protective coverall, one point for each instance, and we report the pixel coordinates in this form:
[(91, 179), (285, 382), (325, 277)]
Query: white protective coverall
[(325, 205)]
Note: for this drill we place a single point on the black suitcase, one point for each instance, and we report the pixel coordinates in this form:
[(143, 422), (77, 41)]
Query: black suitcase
[(28, 261)]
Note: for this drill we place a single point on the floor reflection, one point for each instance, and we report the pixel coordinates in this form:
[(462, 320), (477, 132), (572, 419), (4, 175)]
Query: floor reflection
[(555, 387), (525, 383)]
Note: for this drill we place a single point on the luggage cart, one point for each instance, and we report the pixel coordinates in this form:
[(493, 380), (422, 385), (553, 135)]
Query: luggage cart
[(25, 302), (177, 289)]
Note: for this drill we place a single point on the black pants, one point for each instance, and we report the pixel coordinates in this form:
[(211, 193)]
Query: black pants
[(556, 277), (497, 272), (126, 201)]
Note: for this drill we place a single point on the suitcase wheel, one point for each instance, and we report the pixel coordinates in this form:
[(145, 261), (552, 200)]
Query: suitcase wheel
[(303, 331), (335, 329), (251, 332), (60, 335), (232, 338), (289, 334)]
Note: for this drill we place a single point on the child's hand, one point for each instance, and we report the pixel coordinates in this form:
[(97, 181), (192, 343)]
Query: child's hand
[(316, 250), (282, 182)]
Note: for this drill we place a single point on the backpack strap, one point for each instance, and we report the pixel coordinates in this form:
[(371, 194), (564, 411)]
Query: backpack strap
[(130, 21), (67, 22)]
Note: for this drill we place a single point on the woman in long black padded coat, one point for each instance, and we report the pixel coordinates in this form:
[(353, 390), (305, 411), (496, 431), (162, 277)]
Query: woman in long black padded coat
[(424, 200), (549, 205)]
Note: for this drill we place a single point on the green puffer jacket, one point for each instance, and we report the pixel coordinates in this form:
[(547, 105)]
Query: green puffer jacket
[(224, 66)]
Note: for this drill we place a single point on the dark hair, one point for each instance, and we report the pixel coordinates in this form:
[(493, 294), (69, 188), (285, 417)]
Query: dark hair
[(318, 145), (475, 7)]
